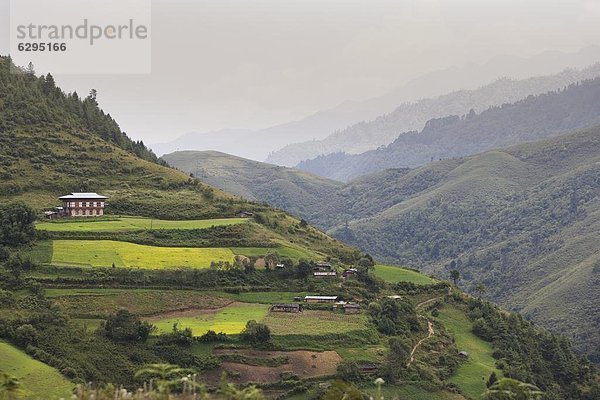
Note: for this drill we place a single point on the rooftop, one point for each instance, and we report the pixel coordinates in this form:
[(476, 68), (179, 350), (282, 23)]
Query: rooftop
[(82, 196), (320, 297)]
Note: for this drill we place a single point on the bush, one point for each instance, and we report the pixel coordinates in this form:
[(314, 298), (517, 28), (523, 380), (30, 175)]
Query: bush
[(349, 371), (16, 224), (126, 327), (212, 337), (180, 337), (256, 333), (26, 334)]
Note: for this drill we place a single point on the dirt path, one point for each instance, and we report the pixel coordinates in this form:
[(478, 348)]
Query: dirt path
[(430, 330)]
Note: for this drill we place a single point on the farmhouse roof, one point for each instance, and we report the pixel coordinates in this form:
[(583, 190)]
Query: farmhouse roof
[(82, 196), (292, 305), (320, 298)]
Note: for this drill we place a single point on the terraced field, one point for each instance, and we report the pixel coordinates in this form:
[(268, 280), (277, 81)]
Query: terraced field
[(105, 253), (133, 224), (473, 372), (285, 249), (38, 380), (230, 319), (98, 303), (393, 274), (312, 322)]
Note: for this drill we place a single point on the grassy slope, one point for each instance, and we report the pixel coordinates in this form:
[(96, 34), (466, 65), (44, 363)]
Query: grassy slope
[(394, 274), (474, 372), (38, 379)]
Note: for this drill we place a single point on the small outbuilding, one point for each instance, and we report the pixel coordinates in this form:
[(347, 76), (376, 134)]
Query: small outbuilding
[(289, 308), (351, 308), (463, 354), (368, 368), (245, 214), (320, 299)]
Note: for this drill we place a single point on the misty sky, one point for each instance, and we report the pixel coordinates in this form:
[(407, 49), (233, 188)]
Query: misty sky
[(252, 64)]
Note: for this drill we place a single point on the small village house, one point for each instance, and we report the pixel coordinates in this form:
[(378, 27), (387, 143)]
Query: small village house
[(323, 266), (245, 214), (368, 368), (320, 299), (82, 205), (324, 274), (349, 272), (289, 308)]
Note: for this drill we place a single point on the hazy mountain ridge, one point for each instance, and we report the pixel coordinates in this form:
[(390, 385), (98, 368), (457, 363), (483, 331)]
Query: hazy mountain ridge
[(366, 136), (258, 144), (533, 118)]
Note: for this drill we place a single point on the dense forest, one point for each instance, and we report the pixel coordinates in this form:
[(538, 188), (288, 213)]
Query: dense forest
[(26, 99)]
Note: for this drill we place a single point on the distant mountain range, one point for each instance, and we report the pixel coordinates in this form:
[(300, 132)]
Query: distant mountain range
[(533, 118), (258, 144), (366, 136), (524, 221)]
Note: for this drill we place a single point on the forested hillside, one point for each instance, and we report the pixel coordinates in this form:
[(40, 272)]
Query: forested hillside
[(534, 118), (369, 135), (525, 222)]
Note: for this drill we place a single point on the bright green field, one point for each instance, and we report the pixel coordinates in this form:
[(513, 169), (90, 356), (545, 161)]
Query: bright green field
[(134, 224), (231, 319), (474, 372), (103, 253), (38, 380), (393, 274)]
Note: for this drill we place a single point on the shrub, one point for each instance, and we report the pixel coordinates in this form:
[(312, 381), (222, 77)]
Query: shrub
[(256, 333), (126, 327)]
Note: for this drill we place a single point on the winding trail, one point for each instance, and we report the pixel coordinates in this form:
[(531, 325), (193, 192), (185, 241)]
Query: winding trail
[(430, 330)]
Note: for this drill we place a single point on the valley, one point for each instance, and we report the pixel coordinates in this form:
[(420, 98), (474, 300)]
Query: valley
[(180, 276)]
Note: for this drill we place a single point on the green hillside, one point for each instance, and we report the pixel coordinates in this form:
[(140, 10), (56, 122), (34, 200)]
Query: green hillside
[(523, 221), (290, 189), (53, 143)]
